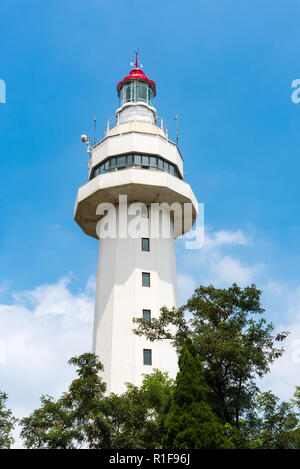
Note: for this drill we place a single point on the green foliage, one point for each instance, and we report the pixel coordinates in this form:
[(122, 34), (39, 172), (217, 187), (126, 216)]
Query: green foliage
[(136, 417), (234, 346), (84, 417), (190, 423), (277, 423), (159, 414), (270, 424), (7, 423), (75, 419), (224, 345)]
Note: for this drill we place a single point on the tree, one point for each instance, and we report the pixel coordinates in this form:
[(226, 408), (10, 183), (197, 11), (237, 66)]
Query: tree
[(136, 417), (158, 414), (223, 348), (277, 423), (85, 417), (233, 345), (7, 423), (75, 419), (190, 423)]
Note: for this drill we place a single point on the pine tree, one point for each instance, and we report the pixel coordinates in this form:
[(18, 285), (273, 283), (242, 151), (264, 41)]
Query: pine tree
[(190, 423)]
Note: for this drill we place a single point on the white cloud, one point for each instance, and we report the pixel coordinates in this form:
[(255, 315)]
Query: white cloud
[(225, 237), (212, 265), (187, 286), (41, 330), (285, 372), (58, 300), (274, 287), (226, 270), (91, 285)]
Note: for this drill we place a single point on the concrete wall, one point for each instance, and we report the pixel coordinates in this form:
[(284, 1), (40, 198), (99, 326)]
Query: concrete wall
[(120, 297), (141, 138), (142, 185)]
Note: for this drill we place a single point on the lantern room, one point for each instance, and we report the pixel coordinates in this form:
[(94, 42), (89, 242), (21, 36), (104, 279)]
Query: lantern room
[(136, 87)]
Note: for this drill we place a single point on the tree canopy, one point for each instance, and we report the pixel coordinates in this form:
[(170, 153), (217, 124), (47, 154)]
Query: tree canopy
[(234, 343), (224, 346), (85, 418), (74, 420)]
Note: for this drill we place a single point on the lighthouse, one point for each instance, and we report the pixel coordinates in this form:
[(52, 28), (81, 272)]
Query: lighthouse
[(135, 170)]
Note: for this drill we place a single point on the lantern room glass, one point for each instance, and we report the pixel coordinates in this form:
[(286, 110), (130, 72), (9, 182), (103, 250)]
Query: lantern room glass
[(136, 91)]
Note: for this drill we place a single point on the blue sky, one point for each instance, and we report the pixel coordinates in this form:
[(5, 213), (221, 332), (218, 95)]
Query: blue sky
[(226, 69)]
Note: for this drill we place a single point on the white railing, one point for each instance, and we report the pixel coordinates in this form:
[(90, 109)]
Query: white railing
[(114, 121)]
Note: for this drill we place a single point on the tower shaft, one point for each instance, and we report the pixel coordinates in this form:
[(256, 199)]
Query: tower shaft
[(121, 296)]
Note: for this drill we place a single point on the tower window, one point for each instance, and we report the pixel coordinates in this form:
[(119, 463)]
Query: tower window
[(121, 161), (145, 279), (145, 160), (147, 315), (145, 244), (138, 161), (153, 162), (147, 356), (160, 163)]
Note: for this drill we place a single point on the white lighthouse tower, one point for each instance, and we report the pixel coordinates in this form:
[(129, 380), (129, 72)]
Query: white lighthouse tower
[(136, 274)]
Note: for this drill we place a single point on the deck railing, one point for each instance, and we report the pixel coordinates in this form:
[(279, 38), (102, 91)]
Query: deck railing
[(114, 121)]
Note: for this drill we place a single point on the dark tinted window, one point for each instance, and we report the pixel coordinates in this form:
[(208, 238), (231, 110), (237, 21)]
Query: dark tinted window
[(145, 244), (145, 279), (147, 357), (147, 315), (153, 161), (121, 160), (145, 160), (160, 163), (139, 161)]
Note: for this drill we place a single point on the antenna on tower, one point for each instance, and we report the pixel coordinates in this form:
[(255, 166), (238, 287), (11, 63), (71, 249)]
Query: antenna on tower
[(177, 130), (95, 130), (136, 63)]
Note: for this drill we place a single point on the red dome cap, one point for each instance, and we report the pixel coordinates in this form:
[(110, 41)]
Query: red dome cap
[(136, 74)]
